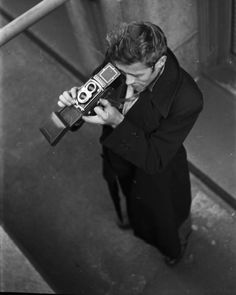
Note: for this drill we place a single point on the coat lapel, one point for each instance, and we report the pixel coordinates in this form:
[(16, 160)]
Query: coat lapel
[(165, 89), (162, 93)]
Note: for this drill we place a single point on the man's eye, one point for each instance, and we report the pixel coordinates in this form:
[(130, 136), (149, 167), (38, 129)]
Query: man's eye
[(132, 75), (135, 76)]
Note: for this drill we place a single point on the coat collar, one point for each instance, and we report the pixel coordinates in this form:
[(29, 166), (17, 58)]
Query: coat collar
[(164, 89)]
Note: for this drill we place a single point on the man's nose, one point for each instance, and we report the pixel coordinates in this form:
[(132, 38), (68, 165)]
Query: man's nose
[(129, 79)]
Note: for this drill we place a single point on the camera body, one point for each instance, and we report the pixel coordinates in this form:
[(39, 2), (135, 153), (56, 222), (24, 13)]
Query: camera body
[(87, 98)]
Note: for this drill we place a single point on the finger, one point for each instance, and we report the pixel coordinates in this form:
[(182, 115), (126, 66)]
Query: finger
[(101, 113), (93, 119), (67, 96), (60, 104), (104, 102), (74, 92), (65, 100)]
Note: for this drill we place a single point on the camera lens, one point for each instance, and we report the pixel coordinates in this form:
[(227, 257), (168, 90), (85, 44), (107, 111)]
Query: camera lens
[(91, 87), (82, 95)]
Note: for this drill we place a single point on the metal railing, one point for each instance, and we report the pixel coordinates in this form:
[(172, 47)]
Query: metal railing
[(27, 19)]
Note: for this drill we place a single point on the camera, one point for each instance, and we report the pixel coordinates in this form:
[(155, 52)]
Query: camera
[(87, 98)]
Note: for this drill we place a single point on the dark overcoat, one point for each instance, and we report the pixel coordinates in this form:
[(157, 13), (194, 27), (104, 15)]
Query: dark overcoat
[(146, 154)]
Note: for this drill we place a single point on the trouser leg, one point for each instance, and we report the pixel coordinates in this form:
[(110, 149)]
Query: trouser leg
[(114, 193), (185, 230), (125, 185)]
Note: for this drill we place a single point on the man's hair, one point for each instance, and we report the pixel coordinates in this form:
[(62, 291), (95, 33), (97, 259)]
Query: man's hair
[(136, 42)]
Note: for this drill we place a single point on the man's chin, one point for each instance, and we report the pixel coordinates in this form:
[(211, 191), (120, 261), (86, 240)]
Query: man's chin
[(138, 88)]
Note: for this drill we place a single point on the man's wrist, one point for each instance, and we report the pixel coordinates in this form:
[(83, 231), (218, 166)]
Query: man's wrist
[(118, 121)]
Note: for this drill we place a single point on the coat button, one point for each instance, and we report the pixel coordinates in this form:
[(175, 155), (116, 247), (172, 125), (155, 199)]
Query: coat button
[(135, 133), (125, 145), (138, 197)]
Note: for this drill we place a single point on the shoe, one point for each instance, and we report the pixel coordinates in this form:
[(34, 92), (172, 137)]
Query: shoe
[(184, 242), (123, 225), (173, 261)]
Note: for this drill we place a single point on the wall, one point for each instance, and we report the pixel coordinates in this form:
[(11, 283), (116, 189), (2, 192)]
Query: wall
[(178, 19), (76, 31)]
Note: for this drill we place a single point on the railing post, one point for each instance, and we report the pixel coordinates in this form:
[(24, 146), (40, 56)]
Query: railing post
[(27, 19)]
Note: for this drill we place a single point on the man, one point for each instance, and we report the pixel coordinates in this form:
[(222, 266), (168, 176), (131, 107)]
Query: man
[(143, 140)]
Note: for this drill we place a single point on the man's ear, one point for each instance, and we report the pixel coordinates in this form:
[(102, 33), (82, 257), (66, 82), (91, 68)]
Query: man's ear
[(160, 63)]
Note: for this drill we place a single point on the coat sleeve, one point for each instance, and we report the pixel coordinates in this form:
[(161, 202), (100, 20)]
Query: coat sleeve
[(152, 152)]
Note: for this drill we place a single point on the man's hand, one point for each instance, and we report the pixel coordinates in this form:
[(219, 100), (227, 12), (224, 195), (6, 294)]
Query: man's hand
[(67, 98), (106, 114)]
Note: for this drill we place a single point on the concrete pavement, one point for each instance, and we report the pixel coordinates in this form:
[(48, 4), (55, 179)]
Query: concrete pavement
[(57, 209), (209, 266)]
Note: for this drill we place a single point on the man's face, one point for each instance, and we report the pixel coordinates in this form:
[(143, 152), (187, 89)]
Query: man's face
[(138, 75)]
